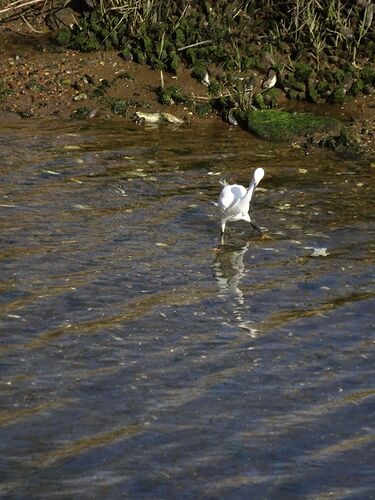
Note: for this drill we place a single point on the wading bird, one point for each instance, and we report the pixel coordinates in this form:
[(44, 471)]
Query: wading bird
[(234, 201)]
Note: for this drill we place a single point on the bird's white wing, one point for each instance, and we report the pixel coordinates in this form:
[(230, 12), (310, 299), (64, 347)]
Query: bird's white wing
[(230, 196)]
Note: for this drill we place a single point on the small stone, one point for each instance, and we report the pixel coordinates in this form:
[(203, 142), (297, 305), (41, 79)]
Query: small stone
[(80, 97)]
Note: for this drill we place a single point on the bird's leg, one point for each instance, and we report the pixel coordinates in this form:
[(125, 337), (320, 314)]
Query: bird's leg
[(222, 233), (255, 227)]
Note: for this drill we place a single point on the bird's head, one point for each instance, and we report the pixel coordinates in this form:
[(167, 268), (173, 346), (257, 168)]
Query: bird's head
[(258, 175)]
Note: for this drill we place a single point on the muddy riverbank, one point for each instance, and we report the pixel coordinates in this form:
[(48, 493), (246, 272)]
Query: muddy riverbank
[(41, 79)]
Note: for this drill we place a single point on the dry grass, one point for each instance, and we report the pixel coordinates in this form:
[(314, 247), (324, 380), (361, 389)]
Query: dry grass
[(327, 24), (317, 25)]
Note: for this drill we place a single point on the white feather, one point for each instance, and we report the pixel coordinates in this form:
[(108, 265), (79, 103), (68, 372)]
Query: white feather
[(234, 200)]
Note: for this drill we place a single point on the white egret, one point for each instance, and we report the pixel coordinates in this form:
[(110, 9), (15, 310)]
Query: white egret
[(234, 201)]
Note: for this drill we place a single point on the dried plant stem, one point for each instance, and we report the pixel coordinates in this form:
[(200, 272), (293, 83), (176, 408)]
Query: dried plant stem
[(161, 79), (32, 27), (20, 4), (193, 45)]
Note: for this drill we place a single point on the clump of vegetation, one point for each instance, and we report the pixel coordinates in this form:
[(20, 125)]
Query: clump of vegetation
[(302, 71), (64, 37), (120, 106), (281, 125), (203, 109), (83, 112), (35, 86), (315, 49), (302, 41), (4, 90), (171, 95), (101, 88), (124, 75)]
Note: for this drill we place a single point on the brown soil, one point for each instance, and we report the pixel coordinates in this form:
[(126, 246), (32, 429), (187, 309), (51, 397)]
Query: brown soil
[(46, 80), (42, 79)]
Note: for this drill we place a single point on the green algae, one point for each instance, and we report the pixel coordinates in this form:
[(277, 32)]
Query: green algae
[(278, 125)]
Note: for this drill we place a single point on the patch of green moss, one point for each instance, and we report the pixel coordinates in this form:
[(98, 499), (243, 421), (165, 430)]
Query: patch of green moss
[(311, 92), (302, 71), (124, 75), (368, 76), (156, 63), (170, 95), (179, 37), (338, 96), (85, 41), (4, 91), (199, 70), (203, 109), (146, 44), (173, 62), (292, 94), (258, 101), (100, 89), (82, 112), (298, 86), (35, 86), (126, 54), (64, 37), (178, 95), (323, 88), (215, 87), (163, 96), (139, 56), (113, 36), (120, 106), (270, 97), (337, 76), (280, 125)]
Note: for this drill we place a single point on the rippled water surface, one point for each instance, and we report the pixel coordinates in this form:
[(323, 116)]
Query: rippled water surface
[(138, 360)]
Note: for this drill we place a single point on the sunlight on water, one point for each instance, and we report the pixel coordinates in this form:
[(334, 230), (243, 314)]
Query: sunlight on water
[(141, 359)]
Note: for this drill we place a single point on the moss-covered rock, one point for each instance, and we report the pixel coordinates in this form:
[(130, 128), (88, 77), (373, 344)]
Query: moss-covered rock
[(283, 126)]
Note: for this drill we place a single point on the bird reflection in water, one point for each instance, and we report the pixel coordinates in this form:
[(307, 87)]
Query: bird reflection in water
[(229, 269)]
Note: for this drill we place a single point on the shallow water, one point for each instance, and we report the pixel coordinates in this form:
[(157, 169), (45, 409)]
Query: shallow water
[(140, 361)]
